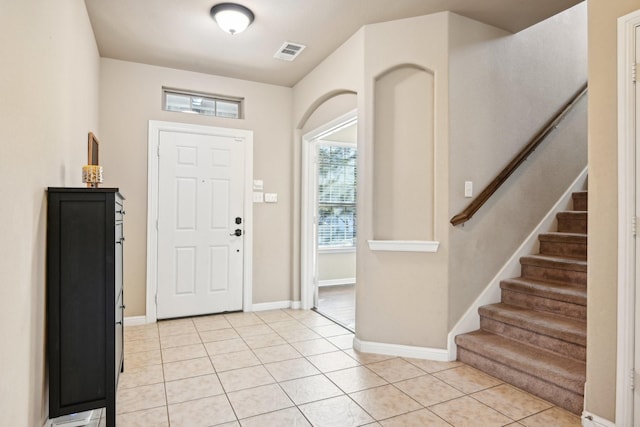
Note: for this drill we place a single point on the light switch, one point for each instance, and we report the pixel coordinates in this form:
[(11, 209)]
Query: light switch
[(258, 197), (258, 184), (468, 189), (271, 197)]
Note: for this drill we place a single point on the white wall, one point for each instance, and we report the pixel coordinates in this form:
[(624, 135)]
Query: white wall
[(49, 85), (131, 95), (503, 89)]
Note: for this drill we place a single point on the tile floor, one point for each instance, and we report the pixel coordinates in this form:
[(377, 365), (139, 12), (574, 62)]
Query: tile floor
[(338, 303), (296, 368)]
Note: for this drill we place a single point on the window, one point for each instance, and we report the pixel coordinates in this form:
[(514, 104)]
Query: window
[(337, 177), (199, 103)]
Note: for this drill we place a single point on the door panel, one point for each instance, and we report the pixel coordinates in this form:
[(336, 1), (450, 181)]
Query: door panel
[(200, 195)]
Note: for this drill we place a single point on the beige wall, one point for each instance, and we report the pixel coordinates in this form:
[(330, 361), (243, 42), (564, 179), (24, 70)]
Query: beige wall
[(130, 97), (602, 254), (401, 296), (336, 265), (503, 89), (49, 86)]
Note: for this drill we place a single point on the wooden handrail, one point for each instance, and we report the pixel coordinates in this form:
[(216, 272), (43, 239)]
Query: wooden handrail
[(493, 186)]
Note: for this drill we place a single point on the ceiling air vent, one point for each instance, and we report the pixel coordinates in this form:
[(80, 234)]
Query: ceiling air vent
[(289, 51)]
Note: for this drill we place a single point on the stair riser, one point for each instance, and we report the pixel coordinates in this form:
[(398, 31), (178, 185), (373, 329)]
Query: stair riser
[(563, 249), (534, 302), (553, 393), (564, 348), (554, 275), (572, 224), (580, 202)]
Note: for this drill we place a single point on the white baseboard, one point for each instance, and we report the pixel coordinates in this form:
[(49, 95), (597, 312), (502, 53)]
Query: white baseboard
[(590, 420), (296, 305), (74, 420), (275, 305), (470, 321), (337, 282), (135, 320), (436, 354)]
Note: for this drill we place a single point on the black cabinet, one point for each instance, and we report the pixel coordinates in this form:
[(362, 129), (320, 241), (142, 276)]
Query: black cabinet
[(84, 299)]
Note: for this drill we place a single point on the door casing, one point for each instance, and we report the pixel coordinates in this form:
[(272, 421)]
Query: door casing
[(155, 127)]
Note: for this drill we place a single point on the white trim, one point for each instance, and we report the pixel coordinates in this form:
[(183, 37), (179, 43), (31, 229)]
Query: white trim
[(590, 420), (403, 245), (134, 321), (470, 320), (308, 250), (626, 210), (336, 249), (296, 305), (437, 354), (337, 282), (152, 206), (74, 420)]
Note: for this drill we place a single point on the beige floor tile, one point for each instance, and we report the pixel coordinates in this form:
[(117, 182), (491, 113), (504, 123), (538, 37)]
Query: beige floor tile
[(290, 417), (141, 346), (265, 340), (240, 379), (187, 368), (465, 412), (243, 319), (259, 400), (193, 388), (226, 346), (211, 323), (136, 377), (511, 402), (394, 370), (334, 361), (175, 354), (330, 330), (428, 390), (218, 335), (180, 328), (467, 379), (555, 417), (338, 411), (252, 330), (142, 359), (384, 402), (316, 321), (367, 358), (420, 418), (142, 332), (201, 413), (285, 325), (300, 314), (276, 353), (310, 389), (273, 316), (295, 335), (355, 379), (139, 398), (231, 424), (236, 360), (343, 342), (156, 417), (432, 366), (291, 369), (313, 347), (180, 340)]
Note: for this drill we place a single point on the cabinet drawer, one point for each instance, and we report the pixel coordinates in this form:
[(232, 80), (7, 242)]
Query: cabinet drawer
[(119, 335), (119, 211)]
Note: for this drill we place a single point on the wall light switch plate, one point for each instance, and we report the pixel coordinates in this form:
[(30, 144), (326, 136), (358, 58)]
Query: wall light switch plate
[(258, 184), (258, 197), (271, 197), (468, 189)]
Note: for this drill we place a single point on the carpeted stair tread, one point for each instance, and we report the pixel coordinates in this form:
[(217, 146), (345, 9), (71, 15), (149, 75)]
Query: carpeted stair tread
[(559, 292), (562, 371), (561, 263), (564, 328)]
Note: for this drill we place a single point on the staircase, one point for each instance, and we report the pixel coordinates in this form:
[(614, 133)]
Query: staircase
[(535, 338)]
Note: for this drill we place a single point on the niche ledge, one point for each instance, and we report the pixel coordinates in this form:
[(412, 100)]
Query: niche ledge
[(403, 245)]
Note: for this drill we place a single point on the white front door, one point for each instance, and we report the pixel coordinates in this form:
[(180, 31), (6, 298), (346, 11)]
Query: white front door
[(200, 224)]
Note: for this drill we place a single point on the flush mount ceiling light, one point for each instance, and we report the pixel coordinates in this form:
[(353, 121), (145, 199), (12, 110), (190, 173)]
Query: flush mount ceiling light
[(232, 18)]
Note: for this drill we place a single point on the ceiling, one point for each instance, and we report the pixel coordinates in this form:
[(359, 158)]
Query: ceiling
[(181, 34)]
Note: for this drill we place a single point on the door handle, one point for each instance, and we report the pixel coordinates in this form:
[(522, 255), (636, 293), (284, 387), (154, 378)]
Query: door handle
[(238, 232)]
